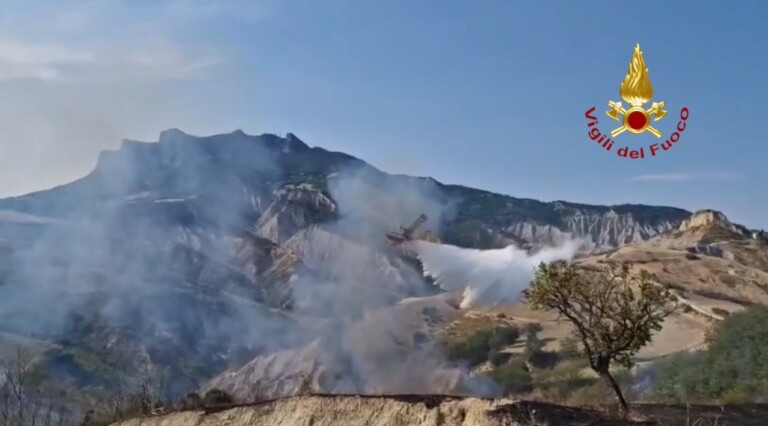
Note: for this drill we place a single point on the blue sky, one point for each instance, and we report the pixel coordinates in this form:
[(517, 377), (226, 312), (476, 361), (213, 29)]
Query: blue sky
[(488, 94)]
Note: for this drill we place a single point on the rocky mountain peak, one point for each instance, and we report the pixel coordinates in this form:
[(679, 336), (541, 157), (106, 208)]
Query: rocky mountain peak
[(710, 233), (711, 223), (704, 218), (294, 144), (173, 135)]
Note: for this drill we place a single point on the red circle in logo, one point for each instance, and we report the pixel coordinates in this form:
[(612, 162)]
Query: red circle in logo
[(636, 120)]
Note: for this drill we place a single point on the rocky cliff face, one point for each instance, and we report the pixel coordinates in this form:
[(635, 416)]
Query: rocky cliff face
[(493, 220), (195, 255), (604, 228), (385, 350), (710, 218)]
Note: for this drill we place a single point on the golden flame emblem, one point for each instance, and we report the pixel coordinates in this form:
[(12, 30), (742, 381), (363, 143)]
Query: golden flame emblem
[(636, 90)]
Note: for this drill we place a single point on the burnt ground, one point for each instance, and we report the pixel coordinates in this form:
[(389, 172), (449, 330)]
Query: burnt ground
[(525, 412), (705, 415), (542, 413), (430, 401)]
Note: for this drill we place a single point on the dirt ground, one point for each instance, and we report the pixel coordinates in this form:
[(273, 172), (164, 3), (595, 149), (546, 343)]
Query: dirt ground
[(682, 332), (440, 410)]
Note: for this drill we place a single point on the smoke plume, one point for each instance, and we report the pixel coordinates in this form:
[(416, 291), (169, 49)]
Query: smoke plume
[(177, 253), (488, 277)]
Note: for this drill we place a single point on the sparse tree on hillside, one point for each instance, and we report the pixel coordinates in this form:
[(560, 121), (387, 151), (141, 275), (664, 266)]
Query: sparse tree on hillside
[(614, 312), (16, 373), (26, 396)]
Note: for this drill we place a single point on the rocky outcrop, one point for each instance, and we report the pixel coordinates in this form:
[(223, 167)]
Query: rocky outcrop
[(604, 229), (711, 233), (344, 260), (713, 249), (387, 350), (494, 220), (285, 373), (614, 229), (710, 218), (295, 207)]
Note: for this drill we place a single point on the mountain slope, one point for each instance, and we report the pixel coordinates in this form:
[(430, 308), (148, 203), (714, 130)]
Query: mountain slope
[(195, 255), (706, 255)]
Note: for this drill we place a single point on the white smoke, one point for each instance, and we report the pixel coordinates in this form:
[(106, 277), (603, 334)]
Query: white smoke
[(488, 277)]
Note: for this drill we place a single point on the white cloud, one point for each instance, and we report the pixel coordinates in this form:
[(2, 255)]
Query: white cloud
[(116, 39), (109, 61), (20, 61), (77, 77), (245, 10), (681, 177)]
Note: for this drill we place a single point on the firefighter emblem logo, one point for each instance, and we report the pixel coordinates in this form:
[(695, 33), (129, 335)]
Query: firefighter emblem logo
[(636, 90)]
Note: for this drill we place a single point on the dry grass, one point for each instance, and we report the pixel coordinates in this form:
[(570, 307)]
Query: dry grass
[(743, 279)]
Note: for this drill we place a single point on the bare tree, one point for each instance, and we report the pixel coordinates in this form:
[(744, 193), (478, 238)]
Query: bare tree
[(25, 398), (48, 418), (6, 406), (16, 373), (614, 312), (136, 394)]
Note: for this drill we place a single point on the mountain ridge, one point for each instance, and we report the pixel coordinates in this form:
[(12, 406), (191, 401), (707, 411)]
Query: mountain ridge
[(176, 143)]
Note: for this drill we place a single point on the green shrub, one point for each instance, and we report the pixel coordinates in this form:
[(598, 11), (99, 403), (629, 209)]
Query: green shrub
[(533, 328), (502, 337), (565, 371), (593, 394), (733, 368), (478, 347), (474, 349), (514, 377), (540, 358), (497, 358), (678, 378), (569, 348)]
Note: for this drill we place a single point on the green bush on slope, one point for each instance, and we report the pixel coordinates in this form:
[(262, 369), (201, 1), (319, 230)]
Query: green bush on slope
[(734, 368), (481, 345)]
